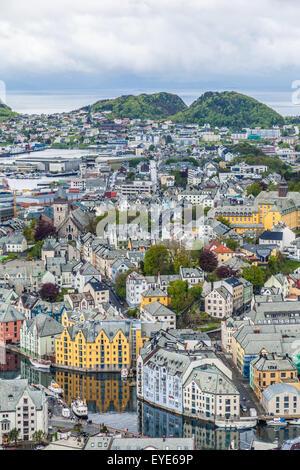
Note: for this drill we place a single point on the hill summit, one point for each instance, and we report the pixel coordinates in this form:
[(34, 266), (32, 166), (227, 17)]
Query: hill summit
[(145, 106), (229, 109)]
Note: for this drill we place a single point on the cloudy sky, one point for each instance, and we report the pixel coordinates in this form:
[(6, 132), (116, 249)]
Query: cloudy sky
[(58, 44)]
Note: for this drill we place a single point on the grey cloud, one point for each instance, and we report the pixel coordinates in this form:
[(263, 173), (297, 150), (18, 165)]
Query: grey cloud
[(163, 38)]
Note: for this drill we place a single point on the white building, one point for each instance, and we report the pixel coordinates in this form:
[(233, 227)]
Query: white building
[(37, 335), (136, 285), (157, 312), (23, 408), (208, 393), (281, 399)]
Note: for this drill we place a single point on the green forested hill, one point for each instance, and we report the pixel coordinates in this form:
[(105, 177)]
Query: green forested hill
[(6, 112), (155, 106), (230, 109)]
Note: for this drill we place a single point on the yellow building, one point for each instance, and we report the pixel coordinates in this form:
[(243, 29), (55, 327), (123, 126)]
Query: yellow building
[(270, 369), (269, 208), (100, 345), (155, 295)]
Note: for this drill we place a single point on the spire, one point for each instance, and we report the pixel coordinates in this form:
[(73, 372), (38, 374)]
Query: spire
[(283, 188), (60, 195)]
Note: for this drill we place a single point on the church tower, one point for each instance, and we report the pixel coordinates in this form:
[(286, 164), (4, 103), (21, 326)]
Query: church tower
[(283, 188), (60, 207)]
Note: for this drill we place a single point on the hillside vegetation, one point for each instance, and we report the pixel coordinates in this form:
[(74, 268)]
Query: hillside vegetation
[(229, 109), (254, 156), (6, 112), (156, 106)]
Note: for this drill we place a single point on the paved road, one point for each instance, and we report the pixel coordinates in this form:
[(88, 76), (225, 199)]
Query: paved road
[(247, 396), (63, 423)]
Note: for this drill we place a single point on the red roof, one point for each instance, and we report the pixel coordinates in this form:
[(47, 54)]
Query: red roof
[(222, 249)]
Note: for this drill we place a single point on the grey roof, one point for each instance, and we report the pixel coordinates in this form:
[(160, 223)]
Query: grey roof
[(277, 389), (154, 292), (211, 380), (91, 329), (158, 309), (46, 326), (12, 390), (268, 235), (9, 313)]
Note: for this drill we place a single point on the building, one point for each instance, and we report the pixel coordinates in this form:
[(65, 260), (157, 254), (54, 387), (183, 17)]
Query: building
[(68, 223), (193, 276), (236, 289), (223, 253), (271, 369), (208, 393), (281, 400), (37, 335), (219, 303), (11, 321), (268, 209), (105, 346), (154, 294), (163, 369), (22, 407), (98, 291), (157, 312)]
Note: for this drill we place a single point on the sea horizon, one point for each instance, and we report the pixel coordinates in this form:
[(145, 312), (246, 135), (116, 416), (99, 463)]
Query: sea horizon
[(60, 101)]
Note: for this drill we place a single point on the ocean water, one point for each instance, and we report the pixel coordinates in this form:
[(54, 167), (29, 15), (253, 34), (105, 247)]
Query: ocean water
[(48, 102)]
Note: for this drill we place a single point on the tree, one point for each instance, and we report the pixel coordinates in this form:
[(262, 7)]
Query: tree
[(206, 210), (178, 291), (43, 230), (158, 259), (195, 292), (254, 189), (13, 435), (39, 436), (254, 274), (182, 258), (208, 261), (28, 230), (224, 272), (35, 251), (49, 291), (232, 244)]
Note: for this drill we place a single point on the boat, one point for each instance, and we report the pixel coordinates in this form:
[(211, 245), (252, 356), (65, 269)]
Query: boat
[(124, 373), (79, 408), (247, 423), (55, 388), (40, 364), (295, 421), (280, 422)]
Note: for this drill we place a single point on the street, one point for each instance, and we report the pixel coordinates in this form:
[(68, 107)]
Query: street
[(247, 396)]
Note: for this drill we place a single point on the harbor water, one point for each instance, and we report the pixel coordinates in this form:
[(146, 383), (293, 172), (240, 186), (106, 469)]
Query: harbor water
[(113, 401)]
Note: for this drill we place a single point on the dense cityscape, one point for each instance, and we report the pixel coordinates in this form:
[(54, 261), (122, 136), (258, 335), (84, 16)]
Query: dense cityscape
[(148, 268), (149, 229)]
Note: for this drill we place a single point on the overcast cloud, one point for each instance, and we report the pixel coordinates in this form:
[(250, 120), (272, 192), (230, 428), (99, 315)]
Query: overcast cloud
[(174, 40)]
